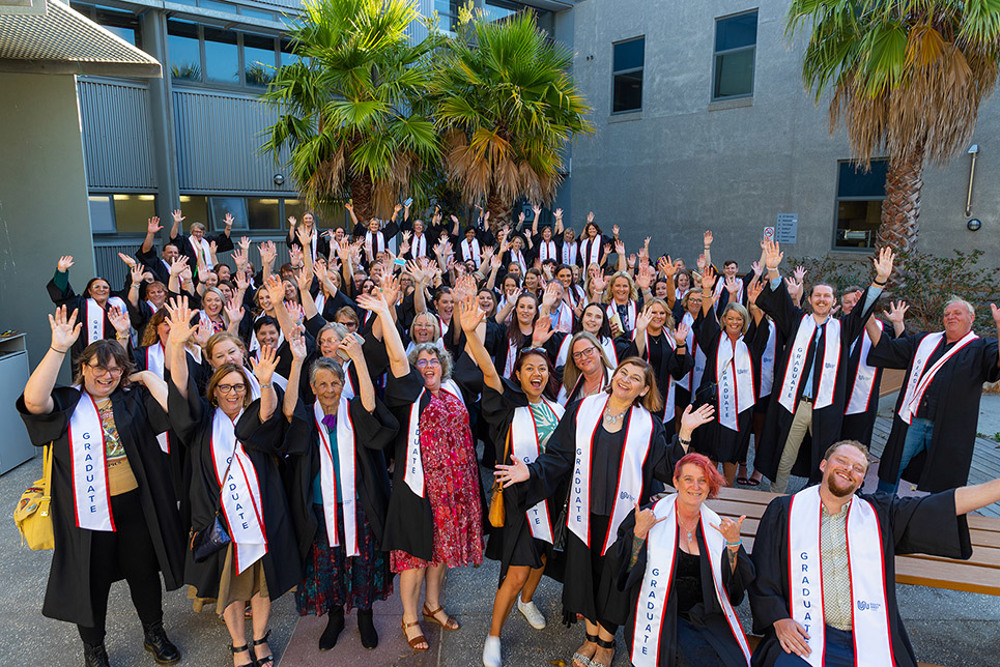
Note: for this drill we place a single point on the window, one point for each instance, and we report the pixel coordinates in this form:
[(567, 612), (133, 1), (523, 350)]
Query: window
[(125, 214), (123, 23), (735, 46), (628, 62), (860, 195), (218, 207), (185, 51), (204, 54), (447, 11), (258, 59), (287, 56), (264, 213), (222, 56), (195, 209)]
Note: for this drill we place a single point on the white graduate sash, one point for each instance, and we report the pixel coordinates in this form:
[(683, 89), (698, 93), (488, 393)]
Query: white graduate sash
[(591, 251), (607, 345), (523, 435), (661, 545), (734, 380), (328, 479), (518, 257), (508, 364), (241, 499), (669, 401), (866, 560), (280, 380), (629, 322), (255, 344), (320, 301), (254, 384), (920, 376), (565, 397), (796, 371), (349, 390), (547, 250), (96, 316), (418, 248), (442, 325), (629, 487), (91, 493), (471, 251), (569, 253), (720, 287), (864, 380), (610, 351), (563, 318), (202, 252), (767, 360), (413, 475), (374, 244), (155, 363), (692, 380)]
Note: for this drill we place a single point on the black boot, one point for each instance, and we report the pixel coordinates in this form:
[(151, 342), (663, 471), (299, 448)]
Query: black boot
[(156, 642), (333, 628), (366, 626), (95, 656)]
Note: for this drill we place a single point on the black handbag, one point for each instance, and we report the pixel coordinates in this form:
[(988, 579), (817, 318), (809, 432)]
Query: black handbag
[(559, 531), (707, 394), (215, 537)]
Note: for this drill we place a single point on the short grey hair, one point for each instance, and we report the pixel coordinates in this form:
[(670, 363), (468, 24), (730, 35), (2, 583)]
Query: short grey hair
[(442, 354), (953, 299), (326, 364), (336, 327)]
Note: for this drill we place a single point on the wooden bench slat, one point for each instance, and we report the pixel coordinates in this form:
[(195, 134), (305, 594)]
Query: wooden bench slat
[(952, 575)]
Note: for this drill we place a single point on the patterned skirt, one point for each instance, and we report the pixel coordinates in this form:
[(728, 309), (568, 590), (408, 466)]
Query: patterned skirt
[(333, 580)]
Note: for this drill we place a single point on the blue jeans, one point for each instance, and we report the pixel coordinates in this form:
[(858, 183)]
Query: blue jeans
[(918, 439), (839, 651)]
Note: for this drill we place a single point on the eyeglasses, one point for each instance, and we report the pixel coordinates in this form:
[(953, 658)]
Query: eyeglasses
[(584, 354), (231, 388), (424, 363), (114, 371)]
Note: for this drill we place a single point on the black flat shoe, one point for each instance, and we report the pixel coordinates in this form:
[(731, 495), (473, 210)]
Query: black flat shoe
[(334, 626), (155, 641), (366, 626), (95, 656)]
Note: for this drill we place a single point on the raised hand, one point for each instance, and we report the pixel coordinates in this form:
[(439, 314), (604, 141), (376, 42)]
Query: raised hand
[(800, 273), (681, 333), (645, 278), (550, 297), (631, 259), (708, 238), (234, 311), (608, 248), (137, 273), (883, 264), (178, 265), (756, 268), (295, 255), (794, 288), (730, 529), (772, 254), (731, 285), (244, 245), (213, 247), (351, 345), (263, 366), (599, 282), (542, 332), (643, 319), (590, 216), (754, 290), (537, 210), (64, 263), (373, 302), (558, 213), (702, 262), (268, 252), (304, 236), (707, 281), (470, 315), (297, 345), (153, 225), (897, 312), (665, 265), (179, 318), (229, 220), (275, 289), (177, 217), (615, 230), (119, 320), (349, 206), (692, 419), (390, 289), (65, 329), (645, 519), (200, 334)]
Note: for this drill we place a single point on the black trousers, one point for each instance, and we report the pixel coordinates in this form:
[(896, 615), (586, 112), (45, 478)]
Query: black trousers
[(128, 551)]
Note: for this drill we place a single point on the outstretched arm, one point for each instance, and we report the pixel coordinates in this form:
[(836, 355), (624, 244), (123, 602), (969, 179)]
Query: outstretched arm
[(398, 363), (471, 317), (38, 390)]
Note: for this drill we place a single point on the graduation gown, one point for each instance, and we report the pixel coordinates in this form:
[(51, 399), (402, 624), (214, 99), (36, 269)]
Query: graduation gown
[(137, 416), (708, 615), (192, 419), (671, 366), (223, 244), (78, 302), (859, 426), (951, 400), (322, 243), (907, 525), (373, 431), (551, 472), (826, 421)]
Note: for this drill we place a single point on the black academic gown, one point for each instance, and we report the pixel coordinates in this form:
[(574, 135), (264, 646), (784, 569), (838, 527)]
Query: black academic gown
[(925, 525), (192, 418), (671, 366), (373, 431), (708, 615), (322, 243), (78, 302), (827, 421), (951, 400), (714, 440), (859, 426), (137, 415), (223, 243), (550, 473)]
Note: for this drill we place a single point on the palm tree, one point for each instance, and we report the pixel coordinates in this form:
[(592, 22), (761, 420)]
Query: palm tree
[(352, 110), (506, 106), (906, 78)]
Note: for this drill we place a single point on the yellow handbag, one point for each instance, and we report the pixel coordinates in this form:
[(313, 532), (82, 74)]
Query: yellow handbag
[(32, 512)]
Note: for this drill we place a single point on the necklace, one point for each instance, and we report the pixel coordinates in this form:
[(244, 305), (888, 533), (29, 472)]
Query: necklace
[(614, 419), (689, 531)]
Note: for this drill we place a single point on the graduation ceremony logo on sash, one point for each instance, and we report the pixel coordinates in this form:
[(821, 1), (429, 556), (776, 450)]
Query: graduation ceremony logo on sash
[(661, 545), (328, 477), (629, 487), (734, 380), (91, 493), (96, 316), (524, 445), (413, 475), (921, 379), (241, 499), (864, 380), (796, 371), (866, 560)]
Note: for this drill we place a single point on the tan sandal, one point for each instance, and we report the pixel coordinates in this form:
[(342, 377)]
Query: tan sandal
[(431, 616), (419, 639)]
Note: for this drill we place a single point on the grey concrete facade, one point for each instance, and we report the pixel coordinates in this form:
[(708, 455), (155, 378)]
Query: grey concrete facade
[(683, 164)]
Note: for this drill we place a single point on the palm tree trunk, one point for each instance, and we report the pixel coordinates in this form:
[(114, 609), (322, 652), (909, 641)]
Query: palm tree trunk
[(499, 210), (362, 193), (901, 209)]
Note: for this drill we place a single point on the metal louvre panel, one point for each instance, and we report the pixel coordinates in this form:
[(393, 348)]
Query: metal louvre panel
[(218, 137), (116, 135)]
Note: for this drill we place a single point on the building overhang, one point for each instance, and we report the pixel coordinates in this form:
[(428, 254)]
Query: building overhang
[(48, 37)]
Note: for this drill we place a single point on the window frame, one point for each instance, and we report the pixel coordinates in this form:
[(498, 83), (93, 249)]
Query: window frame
[(242, 86), (851, 198), (631, 70), (740, 49)]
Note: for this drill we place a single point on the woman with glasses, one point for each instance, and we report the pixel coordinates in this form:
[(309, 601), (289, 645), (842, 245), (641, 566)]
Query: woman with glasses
[(612, 446), (690, 311), (587, 371), (434, 520), (128, 526), (594, 320), (234, 441), (521, 413)]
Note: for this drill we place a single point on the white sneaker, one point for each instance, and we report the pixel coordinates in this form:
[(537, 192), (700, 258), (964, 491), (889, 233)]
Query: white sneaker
[(491, 652), (532, 613)]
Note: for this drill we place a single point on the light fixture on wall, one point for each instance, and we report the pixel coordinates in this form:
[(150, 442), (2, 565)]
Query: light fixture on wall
[(279, 180), (973, 151), (974, 224)]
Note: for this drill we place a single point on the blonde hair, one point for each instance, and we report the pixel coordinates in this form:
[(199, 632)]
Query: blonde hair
[(633, 293), (571, 372), (742, 312)]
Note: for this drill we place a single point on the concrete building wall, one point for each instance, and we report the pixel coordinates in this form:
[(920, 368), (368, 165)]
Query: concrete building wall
[(43, 199), (683, 164)]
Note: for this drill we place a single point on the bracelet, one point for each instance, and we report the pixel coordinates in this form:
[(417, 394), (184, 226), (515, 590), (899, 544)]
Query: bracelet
[(122, 336), (734, 544), (686, 443), (55, 349), (880, 284), (265, 386)]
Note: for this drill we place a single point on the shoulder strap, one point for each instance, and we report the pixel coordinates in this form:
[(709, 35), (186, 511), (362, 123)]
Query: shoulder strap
[(47, 469)]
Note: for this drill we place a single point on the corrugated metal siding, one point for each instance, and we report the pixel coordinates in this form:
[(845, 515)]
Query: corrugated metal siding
[(116, 135), (218, 136)]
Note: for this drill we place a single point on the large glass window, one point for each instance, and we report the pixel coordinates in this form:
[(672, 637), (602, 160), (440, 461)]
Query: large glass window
[(258, 59), (494, 10), (123, 23), (102, 214), (185, 51), (629, 58), (122, 213), (218, 208), (735, 47), (264, 213), (287, 57), (195, 209), (860, 195), (222, 56)]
